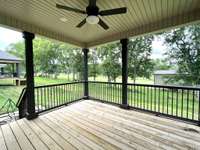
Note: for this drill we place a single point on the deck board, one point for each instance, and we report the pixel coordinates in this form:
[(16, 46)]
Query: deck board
[(2, 141), (90, 125)]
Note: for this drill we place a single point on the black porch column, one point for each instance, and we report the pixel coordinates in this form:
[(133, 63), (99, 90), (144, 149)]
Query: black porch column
[(124, 43), (85, 73), (30, 100), (17, 70), (2, 71), (13, 70)]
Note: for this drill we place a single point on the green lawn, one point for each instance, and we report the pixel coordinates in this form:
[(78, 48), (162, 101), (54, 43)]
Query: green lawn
[(119, 79)]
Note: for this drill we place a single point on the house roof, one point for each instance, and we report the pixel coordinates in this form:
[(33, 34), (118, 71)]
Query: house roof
[(143, 16), (165, 72), (6, 57)]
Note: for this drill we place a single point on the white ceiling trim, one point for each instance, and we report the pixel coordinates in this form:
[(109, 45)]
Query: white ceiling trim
[(19, 25)]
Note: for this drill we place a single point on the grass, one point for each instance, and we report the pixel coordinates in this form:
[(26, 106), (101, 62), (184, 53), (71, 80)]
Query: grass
[(166, 101), (119, 79)]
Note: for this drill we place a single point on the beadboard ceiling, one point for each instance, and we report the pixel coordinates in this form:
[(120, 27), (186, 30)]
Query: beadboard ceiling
[(144, 16)]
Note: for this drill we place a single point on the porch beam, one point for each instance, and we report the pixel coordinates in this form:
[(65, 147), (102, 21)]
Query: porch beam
[(85, 73), (124, 44), (30, 99)]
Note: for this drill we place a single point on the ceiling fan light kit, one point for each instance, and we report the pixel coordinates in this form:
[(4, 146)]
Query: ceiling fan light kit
[(92, 19), (93, 13)]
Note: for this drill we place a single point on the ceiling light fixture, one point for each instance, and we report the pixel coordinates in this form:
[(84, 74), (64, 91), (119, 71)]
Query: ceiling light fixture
[(63, 19), (92, 19)]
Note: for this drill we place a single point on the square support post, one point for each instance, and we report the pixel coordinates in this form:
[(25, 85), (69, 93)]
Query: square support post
[(30, 99), (13, 70), (17, 70), (124, 44), (85, 73), (2, 71)]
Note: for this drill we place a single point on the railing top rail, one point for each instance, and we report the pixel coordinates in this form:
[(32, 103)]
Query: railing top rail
[(104, 82), (51, 85), (21, 97), (151, 85), (166, 86)]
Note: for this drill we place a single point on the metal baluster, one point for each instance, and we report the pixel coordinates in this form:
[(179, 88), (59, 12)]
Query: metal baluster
[(193, 94), (151, 98), (155, 100), (163, 102), (177, 102), (187, 102), (168, 100), (159, 100), (182, 91), (199, 107), (172, 107), (143, 97)]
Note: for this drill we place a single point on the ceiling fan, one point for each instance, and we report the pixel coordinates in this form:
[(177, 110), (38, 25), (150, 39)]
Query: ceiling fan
[(92, 11)]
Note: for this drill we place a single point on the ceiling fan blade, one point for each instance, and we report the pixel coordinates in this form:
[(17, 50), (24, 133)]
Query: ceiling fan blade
[(92, 2), (81, 23), (70, 9), (103, 24), (115, 11)]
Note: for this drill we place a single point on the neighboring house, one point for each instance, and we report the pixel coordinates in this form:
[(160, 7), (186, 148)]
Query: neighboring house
[(162, 76), (2, 69), (7, 58)]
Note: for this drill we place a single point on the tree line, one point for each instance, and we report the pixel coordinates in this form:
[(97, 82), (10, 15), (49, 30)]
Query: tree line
[(52, 58)]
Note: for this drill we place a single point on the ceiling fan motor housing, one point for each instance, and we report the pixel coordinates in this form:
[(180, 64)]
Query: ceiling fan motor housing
[(92, 11)]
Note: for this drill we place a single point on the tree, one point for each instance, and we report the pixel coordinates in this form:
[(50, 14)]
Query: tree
[(93, 63), (162, 64), (46, 55), (77, 63), (66, 59), (110, 58), (139, 61), (18, 49), (184, 50)]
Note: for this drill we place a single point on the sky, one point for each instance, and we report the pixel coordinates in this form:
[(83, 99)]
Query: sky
[(158, 48), (8, 36)]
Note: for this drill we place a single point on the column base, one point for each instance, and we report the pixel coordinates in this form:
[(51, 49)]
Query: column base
[(31, 116), (125, 106), (86, 97)]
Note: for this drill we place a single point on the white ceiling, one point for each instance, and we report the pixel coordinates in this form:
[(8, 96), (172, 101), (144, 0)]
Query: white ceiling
[(144, 16)]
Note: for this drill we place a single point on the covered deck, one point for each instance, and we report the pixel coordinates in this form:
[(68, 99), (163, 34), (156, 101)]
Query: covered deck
[(94, 125)]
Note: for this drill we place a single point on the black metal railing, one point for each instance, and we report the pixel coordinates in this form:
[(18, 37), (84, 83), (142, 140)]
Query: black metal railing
[(105, 91), (21, 104), (173, 101), (52, 96)]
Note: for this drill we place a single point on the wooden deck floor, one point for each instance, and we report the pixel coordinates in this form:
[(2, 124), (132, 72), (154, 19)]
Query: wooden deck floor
[(93, 125)]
